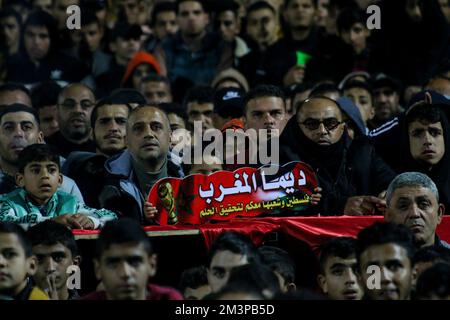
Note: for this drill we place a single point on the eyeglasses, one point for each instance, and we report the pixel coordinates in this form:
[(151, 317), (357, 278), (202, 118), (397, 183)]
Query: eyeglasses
[(314, 124), (71, 104)]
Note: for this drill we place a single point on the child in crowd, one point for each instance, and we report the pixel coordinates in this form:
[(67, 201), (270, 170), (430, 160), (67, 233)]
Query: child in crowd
[(17, 264), (39, 199)]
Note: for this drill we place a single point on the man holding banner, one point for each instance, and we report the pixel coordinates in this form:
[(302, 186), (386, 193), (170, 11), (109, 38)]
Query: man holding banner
[(131, 174), (349, 171)]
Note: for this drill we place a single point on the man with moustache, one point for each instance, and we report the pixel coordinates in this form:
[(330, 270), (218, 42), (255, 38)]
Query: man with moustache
[(108, 122), (75, 104), (349, 171), (19, 128), (413, 200)]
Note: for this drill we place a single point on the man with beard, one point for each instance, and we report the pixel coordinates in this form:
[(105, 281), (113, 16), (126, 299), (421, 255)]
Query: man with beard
[(75, 104), (131, 174), (19, 128), (108, 121), (413, 200), (349, 171), (193, 54)]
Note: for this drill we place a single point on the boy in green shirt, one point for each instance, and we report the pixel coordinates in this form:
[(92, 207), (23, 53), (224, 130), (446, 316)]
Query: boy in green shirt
[(38, 198)]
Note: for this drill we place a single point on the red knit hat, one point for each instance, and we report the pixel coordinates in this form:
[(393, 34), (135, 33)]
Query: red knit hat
[(140, 58)]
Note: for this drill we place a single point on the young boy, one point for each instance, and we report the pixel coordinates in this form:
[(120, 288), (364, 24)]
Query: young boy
[(338, 278), (124, 262), (56, 250), (38, 199), (17, 264)]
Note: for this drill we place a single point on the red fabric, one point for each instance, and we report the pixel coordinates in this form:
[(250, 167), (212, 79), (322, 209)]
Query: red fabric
[(254, 228), (312, 230)]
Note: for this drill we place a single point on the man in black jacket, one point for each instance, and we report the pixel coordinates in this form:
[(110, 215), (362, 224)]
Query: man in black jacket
[(350, 173)]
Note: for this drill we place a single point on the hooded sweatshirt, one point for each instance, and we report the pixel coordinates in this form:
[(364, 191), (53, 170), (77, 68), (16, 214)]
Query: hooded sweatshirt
[(344, 169), (139, 58), (439, 173)]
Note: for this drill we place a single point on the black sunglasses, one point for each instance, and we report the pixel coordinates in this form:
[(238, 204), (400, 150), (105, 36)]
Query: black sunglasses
[(314, 124)]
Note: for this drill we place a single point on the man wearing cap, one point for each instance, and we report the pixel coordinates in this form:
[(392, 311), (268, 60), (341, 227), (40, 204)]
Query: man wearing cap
[(228, 105), (386, 97), (125, 43), (193, 53)]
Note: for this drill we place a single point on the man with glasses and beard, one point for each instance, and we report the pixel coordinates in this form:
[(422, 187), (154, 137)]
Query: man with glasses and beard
[(349, 172), (75, 104)]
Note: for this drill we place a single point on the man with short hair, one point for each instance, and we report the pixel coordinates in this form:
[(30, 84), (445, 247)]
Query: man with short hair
[(10, 27), (163, 22), (56, 251), (387, 249), (108, 121), (349, 172), (265, 108), (19, 128), (124, 43), (228, 25), (361, 95), (413, 200), (75, 104), (386, 100), (338, 277), (265, 114), (45, 99), (193, 53), (194, 283), (230, 249), (132, 173), (199, 105), (262, 28), (12, 92), (125, 261), (281, 263), (302, 35), (156, 89), (41, 60)]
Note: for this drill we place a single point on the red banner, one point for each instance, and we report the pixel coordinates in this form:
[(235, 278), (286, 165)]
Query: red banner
[(223, 195)]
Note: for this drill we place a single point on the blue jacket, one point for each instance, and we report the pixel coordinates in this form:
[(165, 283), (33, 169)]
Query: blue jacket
[(121, 192)]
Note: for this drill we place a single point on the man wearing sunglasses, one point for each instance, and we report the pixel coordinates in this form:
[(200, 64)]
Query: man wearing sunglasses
[(74, 106), (350, 173)]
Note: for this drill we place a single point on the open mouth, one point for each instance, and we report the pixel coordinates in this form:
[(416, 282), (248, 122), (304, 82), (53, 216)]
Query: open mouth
[(351, 294)]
